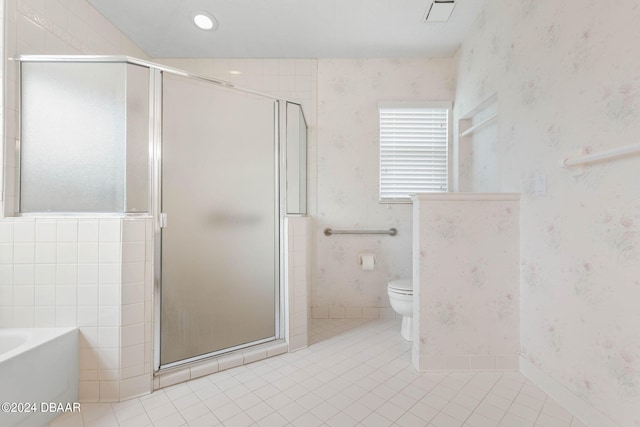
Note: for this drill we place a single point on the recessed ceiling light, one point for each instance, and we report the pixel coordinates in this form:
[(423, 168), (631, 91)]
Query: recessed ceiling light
[(205, 21), (235, 72)]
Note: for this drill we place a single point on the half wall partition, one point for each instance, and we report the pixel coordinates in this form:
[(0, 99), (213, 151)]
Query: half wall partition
[(208, 161)]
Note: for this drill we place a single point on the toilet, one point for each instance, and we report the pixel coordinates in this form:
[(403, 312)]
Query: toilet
[(401, 298)]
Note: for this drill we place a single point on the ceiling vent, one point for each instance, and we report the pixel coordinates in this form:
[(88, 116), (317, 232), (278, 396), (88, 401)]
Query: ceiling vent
[(439, 11)]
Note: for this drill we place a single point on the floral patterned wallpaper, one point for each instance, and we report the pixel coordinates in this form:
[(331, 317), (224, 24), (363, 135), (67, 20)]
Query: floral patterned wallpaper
[(347, 188), (567, 77), (466, 308)]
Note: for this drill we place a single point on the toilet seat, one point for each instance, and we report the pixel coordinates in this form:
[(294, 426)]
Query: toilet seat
[(401, 287)]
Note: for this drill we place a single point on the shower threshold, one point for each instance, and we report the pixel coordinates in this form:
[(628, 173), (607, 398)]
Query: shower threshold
[(211, 363)]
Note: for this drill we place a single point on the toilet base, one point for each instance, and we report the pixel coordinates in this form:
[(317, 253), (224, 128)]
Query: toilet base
[(406, 330)]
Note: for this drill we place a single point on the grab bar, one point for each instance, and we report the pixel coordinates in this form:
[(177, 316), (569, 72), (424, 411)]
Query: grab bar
[(390, 232)]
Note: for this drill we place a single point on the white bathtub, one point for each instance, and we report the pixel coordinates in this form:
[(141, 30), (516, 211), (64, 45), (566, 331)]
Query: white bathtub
[(38, 367)]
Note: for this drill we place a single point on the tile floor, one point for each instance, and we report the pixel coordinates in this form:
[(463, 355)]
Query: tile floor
[(356, 373)]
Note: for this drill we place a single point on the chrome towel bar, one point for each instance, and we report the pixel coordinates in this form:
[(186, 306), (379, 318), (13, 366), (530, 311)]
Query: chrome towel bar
[(390, 232)]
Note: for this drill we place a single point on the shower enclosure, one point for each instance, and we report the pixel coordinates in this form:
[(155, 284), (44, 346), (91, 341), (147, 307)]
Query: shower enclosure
[(219, 198), (216, 166)]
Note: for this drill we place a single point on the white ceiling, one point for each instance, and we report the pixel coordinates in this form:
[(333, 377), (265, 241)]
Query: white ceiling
[(290, 28)]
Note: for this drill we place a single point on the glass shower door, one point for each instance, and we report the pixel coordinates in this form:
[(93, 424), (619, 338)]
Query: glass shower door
[(219, 246)]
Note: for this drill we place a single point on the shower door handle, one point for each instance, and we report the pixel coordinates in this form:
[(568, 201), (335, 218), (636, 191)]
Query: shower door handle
[(163, 219)]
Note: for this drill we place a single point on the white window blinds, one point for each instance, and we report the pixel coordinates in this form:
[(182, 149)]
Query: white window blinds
[(413, 151)]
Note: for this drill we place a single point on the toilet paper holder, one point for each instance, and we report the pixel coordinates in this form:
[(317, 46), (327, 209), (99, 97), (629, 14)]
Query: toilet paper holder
[(367, 261)]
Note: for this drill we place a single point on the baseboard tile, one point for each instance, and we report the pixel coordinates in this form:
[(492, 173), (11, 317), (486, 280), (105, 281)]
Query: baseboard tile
[(464, 362), (352, 312)]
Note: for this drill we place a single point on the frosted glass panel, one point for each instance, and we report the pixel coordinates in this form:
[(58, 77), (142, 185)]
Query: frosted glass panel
[(73, 137), (219, 252), (296, 160), (137, 161), (84, 137)]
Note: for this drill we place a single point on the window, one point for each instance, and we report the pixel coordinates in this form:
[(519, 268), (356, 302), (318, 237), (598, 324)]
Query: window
[(414, 146)]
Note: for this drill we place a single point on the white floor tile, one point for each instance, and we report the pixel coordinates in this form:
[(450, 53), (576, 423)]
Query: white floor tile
[(372, 401), (68, 421), (423, 411), (185, 401), (410, 420), (141, 420), (207, 420), (444, 420), (247, 401), (477, 420), (577, 423), (511, 420), (390, 411), (456, 411), (535, 403), (173, 420), (260, 411), (523, 412), (340, 401), (279, 401), (434, 400), (128, 409), (341, 420), (357, 411), (208, 391), (554, 410), (239, 420), (176, 391), (217, 401), (103, 421), (273, 420), (309, 401), (194, 411), (489, 411), (324, 411), (307, 420), (468, 402), (498, 401), (160, 412), (376, 420), (355, 372), (548, 421), (227, 411), (292, 411)]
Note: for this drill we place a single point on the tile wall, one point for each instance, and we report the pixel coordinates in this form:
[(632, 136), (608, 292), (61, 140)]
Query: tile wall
[(95, 274), (297, 280)]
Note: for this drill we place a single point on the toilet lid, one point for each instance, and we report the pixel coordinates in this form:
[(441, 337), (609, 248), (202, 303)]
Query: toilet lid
[(401, 285)]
